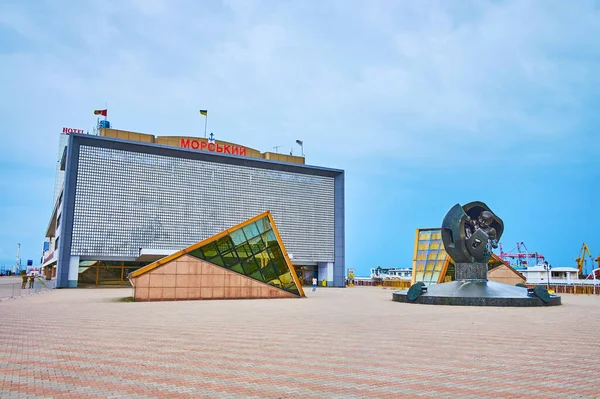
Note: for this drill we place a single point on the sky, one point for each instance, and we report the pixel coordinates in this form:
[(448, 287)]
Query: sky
[(423, 103)]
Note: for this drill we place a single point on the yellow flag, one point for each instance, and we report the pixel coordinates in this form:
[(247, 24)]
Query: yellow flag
[(204, 112)]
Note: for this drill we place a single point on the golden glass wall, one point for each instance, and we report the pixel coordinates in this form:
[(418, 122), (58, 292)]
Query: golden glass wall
[(98, 272), (430, 256), (431, 263), (254, 251)]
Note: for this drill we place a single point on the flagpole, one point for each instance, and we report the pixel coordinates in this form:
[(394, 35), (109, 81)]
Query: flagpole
[(205, 123)]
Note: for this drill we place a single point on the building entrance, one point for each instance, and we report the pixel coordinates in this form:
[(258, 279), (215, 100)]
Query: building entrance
[(106, 273), (306, 273)]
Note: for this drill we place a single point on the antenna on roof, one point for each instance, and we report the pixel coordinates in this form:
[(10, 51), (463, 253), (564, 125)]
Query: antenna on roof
[(276, 148)]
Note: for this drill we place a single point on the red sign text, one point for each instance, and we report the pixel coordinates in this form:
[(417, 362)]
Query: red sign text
[(213, 147), (69, 130)]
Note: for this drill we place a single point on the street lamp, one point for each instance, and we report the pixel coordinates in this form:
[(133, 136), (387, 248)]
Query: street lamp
[(301, 144), (547, 268)]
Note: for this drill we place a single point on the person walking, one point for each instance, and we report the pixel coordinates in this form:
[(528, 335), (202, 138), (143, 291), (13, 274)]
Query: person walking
[(31, 280), (24, 285), (314, 283)]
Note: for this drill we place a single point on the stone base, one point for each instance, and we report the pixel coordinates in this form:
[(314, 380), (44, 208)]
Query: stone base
[(476, 293), (471, 271)]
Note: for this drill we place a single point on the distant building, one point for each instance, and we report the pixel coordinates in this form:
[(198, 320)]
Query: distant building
[(556, 275)]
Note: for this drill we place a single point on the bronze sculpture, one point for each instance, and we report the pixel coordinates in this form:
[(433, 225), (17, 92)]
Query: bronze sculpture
[(471, 232)]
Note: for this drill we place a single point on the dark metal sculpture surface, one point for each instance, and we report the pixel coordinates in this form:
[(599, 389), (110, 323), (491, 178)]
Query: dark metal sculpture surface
[(471, 232)]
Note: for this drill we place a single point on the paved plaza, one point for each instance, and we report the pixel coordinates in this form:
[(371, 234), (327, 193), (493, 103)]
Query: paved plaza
[(337, 343)]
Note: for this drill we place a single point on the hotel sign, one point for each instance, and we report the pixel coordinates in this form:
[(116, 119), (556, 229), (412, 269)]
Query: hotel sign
[(212, 147), (71, 130)]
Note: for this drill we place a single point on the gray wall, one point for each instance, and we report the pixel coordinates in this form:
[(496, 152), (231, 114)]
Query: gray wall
[(126, 200)]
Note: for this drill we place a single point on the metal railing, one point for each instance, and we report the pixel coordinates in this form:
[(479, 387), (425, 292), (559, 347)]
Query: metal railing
[(396, 284), (15, 290), (571, 288)]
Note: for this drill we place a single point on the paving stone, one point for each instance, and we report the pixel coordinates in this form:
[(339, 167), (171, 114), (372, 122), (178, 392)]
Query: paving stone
[(337, 343)]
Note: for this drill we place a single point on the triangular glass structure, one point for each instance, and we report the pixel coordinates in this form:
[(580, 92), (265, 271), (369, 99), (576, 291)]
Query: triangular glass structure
[(252, 248)]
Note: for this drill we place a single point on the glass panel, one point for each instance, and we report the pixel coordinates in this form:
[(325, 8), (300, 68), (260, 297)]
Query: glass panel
[(230, 259), (424, 235), (251, 231), (210, 250), (244, 251), (262, 258), (87, 276), (238, 268), (279, 266), (268, 272), (263, 225), (257, 244), (224, 244), (238, 237), (197, 253), (257, 276), (217, 260), (286, 279), (276, 283), (275, 252), (249, 266), (288, 283), (271, 239), (110, 275)]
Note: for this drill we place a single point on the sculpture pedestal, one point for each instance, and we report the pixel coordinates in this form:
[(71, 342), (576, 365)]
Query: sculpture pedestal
[(472, 288), (471, 271)]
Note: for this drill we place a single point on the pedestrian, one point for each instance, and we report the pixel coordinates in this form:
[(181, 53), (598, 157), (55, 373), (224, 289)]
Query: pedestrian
[(24, 285), (31, 280), (314, 283)]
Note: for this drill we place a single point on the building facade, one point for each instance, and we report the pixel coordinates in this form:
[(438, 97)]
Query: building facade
[(126, 203)]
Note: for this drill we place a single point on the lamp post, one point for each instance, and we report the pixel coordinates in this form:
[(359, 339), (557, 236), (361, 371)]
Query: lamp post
[(301, 144), (547, 267)]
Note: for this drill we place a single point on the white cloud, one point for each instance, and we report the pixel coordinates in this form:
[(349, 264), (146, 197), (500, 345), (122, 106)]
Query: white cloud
[(402, 79)]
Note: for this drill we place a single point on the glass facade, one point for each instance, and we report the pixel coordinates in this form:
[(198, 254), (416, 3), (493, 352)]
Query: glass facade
[(254, 251), (430, 256), (98, 272)]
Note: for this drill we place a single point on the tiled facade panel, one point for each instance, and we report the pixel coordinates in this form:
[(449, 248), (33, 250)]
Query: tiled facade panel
[(125, 201)]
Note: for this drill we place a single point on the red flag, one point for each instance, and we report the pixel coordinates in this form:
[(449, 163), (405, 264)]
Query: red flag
[(100, 112)]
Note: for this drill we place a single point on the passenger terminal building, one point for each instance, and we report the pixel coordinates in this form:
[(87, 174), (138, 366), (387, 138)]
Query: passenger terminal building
[(124, 200)]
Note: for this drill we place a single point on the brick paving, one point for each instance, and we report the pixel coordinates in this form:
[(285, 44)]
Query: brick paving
[(337, 343)]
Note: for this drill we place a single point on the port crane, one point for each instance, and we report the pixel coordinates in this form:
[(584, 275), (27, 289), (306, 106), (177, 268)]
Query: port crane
[(581, 260), (520, 257)]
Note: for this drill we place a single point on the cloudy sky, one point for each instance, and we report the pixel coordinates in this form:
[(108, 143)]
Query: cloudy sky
[(424, 103)]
